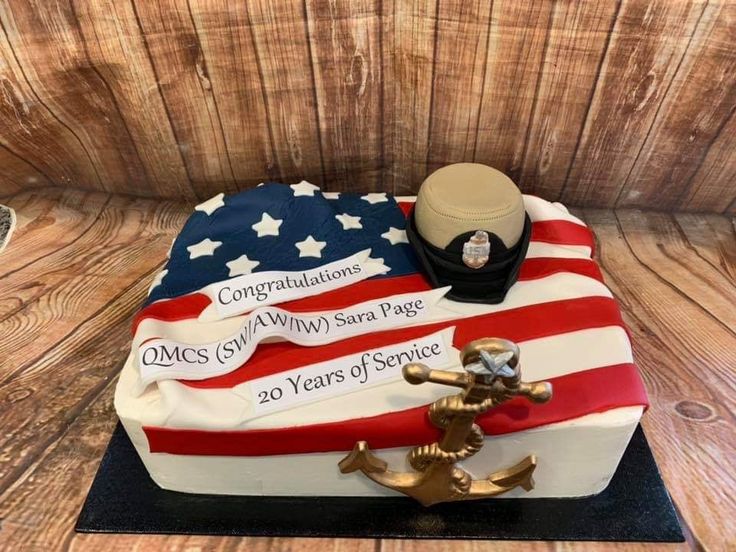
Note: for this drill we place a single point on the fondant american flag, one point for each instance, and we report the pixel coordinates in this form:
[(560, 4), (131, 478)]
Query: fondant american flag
[(559, 296)]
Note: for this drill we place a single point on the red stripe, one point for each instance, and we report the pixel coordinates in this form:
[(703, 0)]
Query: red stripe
[(520, 324), (190, 306), (562, 232), (367, 290), (541, 267), (406, 207), (171, 310), (574, 395)]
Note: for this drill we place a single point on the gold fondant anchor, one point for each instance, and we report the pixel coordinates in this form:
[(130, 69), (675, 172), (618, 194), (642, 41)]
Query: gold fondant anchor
[(492, 376)]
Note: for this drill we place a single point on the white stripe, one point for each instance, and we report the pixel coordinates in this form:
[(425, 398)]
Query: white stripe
[(541, 249), (539, 209), (178, 405), (555, 287)]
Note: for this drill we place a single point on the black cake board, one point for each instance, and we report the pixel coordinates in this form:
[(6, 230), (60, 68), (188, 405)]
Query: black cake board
[(634, 507)]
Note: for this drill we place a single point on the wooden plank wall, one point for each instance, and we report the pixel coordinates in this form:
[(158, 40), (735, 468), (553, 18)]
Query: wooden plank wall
[(624, 103)]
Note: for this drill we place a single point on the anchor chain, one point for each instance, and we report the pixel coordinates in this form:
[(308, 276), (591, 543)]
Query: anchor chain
[(441, 413)]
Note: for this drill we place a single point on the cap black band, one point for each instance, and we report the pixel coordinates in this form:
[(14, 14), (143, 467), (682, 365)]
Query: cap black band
[(488, 284)]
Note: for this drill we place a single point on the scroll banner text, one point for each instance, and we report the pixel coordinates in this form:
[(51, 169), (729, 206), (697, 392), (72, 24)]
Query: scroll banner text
[(347, 374), (244, 293), (161, 359)]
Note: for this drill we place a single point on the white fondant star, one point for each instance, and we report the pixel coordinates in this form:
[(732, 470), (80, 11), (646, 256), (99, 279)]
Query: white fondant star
[(171, 248), (310, 247), (211, 205), (349, 222), (304, 188), (394, 235), (241, 265), (331, 195), (204, 248), (260, 184), (157, 280), (268, 226), (375, 198)]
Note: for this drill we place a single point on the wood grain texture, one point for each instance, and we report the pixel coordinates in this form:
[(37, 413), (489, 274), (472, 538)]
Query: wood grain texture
[(345, 47), (462, 40), (692, 116), (113, 43), (705, 192), (686, 355), (17, 173), (658, 238), (640, 62), (181, 73), (407, 105), (230, 67), (518, 546), (80, 264), (713, 238), (66, 77), (628, 103), (518, 43), (576, 45), (67, 212), (38, 148), (47, 296), (79, 298), (285, 62)]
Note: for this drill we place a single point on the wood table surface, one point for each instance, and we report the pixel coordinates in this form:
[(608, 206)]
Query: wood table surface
[(80, 263)]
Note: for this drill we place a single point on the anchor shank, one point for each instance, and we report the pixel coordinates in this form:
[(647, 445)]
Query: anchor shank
[(456, 433), (458, 429)]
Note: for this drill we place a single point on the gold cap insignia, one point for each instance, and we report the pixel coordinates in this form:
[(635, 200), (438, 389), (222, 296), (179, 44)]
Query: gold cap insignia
[(477, 250)]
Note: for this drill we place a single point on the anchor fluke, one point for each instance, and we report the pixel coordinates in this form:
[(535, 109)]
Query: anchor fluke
[(519, 475), (361, 458)]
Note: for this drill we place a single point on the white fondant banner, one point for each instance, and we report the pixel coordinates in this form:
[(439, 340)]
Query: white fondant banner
[(245, 293), (160, 358), (347, 374)]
